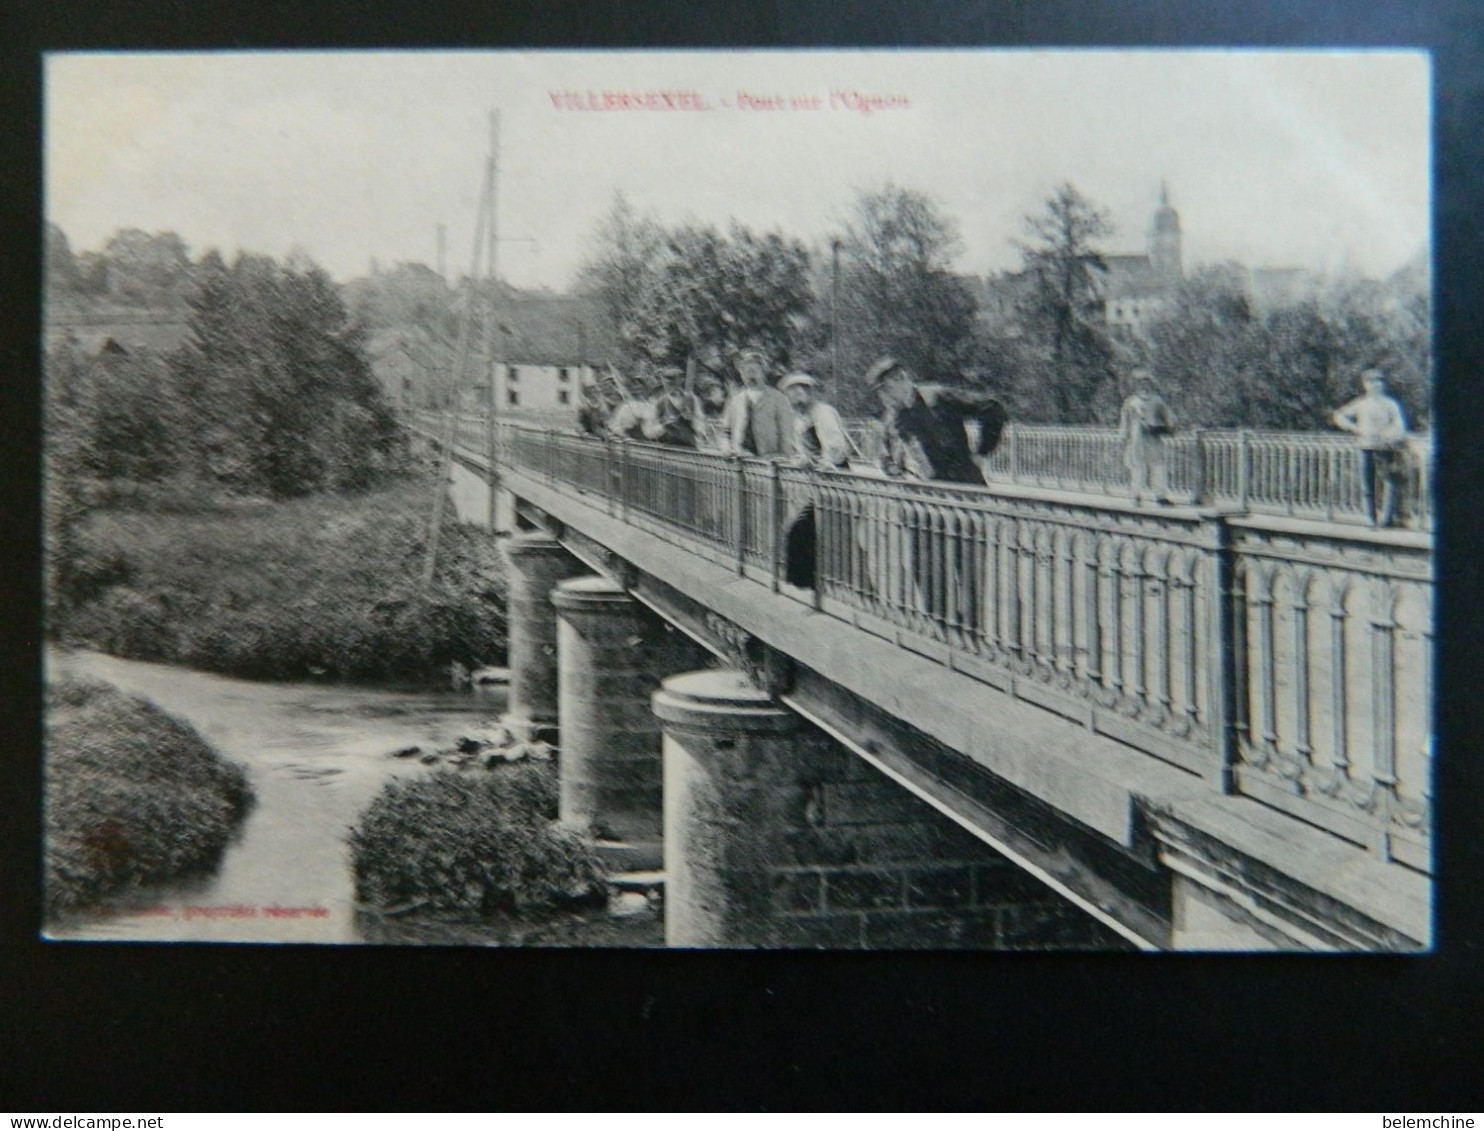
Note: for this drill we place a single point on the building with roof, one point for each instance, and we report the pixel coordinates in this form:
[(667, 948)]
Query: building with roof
[(134, 331), (1135, 287), (1132, 287)]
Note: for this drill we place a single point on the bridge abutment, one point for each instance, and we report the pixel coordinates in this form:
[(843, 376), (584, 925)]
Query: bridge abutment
[(537, 563), (611, 653)]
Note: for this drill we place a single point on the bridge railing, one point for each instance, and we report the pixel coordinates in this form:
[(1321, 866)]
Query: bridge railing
[(1303, 474), (1293, 670), (1312, 475)]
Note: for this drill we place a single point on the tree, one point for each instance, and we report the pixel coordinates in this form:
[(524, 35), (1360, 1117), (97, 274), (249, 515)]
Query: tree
[(147, 270), (625, 256), (898, 294), (1224, 364), (63, 501), (1062, 310), (130, 418), (1205, 346), (61, 270), (275, 384), (717, 294)]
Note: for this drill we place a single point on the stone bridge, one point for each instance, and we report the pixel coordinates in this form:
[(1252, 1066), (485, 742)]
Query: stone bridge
[(1004, 718)]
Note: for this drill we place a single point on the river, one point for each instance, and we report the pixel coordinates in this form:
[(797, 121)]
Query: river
[(315, 755)]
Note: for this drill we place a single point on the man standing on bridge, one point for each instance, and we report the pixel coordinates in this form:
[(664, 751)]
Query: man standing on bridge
[(1144, 422), (761, 419), (1380, 430)]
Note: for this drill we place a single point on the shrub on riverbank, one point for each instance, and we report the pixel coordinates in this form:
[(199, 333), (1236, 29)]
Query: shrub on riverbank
[(328, 585), (472, 842), (133, 796)]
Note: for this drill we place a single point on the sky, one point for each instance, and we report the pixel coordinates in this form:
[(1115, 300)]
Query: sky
[(1298, 159)]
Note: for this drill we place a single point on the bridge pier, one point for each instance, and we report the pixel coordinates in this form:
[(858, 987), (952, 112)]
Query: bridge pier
[(727, 761), (537, 563), (778, 836), (611, 652)]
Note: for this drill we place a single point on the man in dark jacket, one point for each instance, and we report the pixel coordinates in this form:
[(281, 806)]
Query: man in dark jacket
[(925, 425), (675, 412), (928, 422)]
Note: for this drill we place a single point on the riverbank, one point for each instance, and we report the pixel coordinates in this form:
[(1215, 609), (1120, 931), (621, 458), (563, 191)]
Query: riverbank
[(133, 796), (317, 755), (328, 586)]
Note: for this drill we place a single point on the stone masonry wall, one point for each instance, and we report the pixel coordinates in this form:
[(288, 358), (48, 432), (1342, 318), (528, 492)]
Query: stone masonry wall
[(861, 862)]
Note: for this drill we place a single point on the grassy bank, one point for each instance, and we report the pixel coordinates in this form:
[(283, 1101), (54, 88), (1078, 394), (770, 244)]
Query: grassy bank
[(472, 841), (132, 795), (328, 585)]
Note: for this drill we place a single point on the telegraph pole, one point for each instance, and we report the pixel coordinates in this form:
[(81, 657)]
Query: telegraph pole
[(483, 215), (491, 315), (834, 321)]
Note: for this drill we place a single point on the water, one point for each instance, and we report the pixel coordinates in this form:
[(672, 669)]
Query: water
[(316, 756)]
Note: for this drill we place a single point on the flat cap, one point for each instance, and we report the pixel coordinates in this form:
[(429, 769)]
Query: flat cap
[(787, 383), (883, 366), (752, 355)]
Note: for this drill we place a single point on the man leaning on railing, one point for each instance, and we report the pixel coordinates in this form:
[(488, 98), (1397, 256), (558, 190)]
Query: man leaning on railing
[(927, 422), (760, 419), (820, 441)]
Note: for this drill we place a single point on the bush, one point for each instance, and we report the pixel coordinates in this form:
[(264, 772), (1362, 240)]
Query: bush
[(132, 795), (325, 586), (472, 842)]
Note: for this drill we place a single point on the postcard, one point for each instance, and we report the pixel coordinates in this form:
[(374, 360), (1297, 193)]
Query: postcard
[(870, 499)]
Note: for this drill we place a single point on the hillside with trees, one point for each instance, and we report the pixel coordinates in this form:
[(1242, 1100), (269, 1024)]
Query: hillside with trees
[(246, 501)]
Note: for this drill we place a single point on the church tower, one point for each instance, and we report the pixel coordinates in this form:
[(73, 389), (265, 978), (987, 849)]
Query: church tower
[(1164, 240)]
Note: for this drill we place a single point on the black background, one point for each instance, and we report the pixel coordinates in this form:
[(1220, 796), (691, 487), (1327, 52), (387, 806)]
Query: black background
[(178, 1027)]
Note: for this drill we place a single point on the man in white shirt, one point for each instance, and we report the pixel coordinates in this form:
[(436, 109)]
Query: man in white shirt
[(819, 433), (636, 418), (1380, 430)]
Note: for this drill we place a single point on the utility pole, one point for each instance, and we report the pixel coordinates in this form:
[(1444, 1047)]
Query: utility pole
[(492, 228), (834, 321), (461, 362), (491, 479), (443, 253)]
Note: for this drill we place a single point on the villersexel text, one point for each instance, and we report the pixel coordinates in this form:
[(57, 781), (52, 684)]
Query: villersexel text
[(693, 101)]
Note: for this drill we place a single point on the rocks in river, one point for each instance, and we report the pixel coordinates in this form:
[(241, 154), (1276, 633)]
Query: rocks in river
[(633, 893), (628, 903), (488, 748), (483, 740)]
